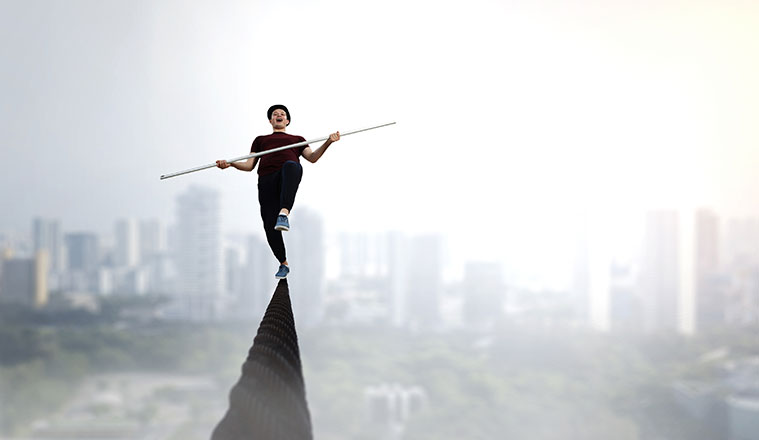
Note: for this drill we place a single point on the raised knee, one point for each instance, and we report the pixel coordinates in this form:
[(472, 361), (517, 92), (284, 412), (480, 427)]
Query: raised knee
[(291, 164)]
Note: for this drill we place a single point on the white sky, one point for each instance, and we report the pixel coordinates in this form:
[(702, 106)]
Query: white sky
[(516, 115)]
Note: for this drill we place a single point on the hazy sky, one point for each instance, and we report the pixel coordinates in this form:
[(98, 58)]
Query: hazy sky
[(513, 116)]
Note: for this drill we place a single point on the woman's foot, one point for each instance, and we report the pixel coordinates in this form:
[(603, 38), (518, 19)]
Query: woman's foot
[(283, 224), (282, 272)]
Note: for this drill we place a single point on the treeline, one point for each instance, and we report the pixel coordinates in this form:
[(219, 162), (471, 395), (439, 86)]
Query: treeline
[(42, 366), (105, 310), (513, 383)]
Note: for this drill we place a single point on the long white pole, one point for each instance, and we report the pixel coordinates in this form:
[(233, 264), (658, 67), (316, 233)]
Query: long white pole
[(248, 156)]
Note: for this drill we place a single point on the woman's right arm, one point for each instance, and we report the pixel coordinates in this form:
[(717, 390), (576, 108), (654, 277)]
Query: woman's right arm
[(248, 165)]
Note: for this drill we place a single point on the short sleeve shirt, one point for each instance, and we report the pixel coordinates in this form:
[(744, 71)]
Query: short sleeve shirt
[(271, 163)]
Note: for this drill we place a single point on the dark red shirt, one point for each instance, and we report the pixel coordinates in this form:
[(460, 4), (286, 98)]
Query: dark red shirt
[(271, 163)]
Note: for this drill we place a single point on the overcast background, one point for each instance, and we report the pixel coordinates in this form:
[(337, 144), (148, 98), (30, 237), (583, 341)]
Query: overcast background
[(515, 118)]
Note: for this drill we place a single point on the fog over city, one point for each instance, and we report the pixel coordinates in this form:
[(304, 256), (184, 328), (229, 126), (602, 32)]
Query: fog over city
[(570, 189), (512, 114)]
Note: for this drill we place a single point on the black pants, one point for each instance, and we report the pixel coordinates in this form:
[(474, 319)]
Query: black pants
[(277, 191)]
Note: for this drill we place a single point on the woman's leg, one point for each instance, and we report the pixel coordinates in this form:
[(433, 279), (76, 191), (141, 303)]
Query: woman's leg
[(269, 190), (292, 172)]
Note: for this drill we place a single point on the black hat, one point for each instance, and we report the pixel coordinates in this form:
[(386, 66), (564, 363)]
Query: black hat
[(278, 106)]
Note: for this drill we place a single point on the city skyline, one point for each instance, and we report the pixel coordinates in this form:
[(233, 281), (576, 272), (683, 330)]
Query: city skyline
[(686, 270), (520, 133), (623, 239), (514, 118)]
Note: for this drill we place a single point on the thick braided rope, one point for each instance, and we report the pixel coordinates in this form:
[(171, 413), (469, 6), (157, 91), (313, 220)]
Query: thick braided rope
[(269, 400)]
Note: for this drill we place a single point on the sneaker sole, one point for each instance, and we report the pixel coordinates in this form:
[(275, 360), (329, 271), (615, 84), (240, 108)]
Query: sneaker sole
[(280, 278), (281, 228)]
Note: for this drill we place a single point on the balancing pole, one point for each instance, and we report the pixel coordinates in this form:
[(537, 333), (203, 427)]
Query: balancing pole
[(248, 156)]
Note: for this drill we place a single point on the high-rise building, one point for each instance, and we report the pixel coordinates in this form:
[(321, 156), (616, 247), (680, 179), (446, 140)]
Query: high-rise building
[(352, 254), (257, 277), (590, 299), (82, 257), (153, 256), (46, 234), (373, 277), (579, 295), (742, 298), (667, 272), (660, 271), (199, 254), (707, 242), (624, 304), (306, 253), (710, 287), (397, 273), (24, 280), (741, 245), (152, 239), (483, 293), (82, 251), (232, 267), (741, 261), (426, 282), (127, 245), (363, 255)]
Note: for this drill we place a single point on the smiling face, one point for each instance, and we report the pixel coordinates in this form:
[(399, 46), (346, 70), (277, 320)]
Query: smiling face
[(279, 120)]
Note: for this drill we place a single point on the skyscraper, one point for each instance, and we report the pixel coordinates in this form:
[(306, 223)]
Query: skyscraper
[(397, 273), (741, 259), (257, 277), (352, 254), (82, 257), (363, 255), (667, 272), (306, 253), (46, 234), (127, 249), (24, 280), (153, 255), (425, 281), (709, 286), (591, 277), (232, 268), (581, 272), (199, 254), (483, 293), (82, 251), (152, 238)]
